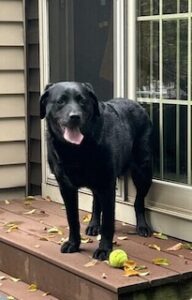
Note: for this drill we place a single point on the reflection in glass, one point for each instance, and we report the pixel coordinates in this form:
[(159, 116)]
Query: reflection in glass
[(81, 43), (175, 6), (175, 59), (148, 60), (153, 111), (175, 143), (148, 7)]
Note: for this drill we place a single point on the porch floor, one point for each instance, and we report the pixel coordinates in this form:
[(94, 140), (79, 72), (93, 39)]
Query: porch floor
[(30, 236)]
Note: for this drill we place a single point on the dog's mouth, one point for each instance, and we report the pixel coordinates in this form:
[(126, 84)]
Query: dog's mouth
[(73, 135)]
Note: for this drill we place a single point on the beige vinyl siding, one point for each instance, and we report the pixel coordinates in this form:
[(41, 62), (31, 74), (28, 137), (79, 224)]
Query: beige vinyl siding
[(12, 100), (33, 87)]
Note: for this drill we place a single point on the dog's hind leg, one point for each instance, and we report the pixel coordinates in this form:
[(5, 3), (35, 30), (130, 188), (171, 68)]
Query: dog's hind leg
[(141, 171), (93, 228)]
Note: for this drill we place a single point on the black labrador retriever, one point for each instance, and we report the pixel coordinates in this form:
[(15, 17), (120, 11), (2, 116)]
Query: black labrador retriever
[(90, 144)]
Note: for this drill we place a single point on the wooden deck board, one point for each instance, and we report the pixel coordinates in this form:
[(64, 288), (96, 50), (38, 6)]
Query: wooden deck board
[(32, 227)]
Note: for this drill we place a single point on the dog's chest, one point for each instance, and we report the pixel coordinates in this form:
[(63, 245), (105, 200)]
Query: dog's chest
[(87, 166)]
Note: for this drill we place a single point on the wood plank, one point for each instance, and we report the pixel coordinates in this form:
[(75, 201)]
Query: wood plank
[(12, 82), (11, 34), (12, 176), (12, 106), (35, 128), (13, 58), (11, 10), (12, 153), (34, 81), (35, 151), (34, 107), (12, 130), (33, 32)]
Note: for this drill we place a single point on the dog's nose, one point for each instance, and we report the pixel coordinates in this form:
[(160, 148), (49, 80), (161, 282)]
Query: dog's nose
[(74, 117)]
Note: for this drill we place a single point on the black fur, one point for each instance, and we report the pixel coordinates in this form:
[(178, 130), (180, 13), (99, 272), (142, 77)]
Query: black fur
[(117, 137)]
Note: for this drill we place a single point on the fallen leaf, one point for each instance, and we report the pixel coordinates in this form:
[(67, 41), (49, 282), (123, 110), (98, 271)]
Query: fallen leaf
[(160, 261), (46, 294), (142, 274), (122, 238), (154, 246), (2, 278), (32, 287), (14, 279), (124, 224), (30, 212), (129, 264), (44, 238), (7, 202), (10, 298), (91, 263), (160, 235), (55, 230), (30, 198), (87, 218), (86, 240), (187, 246), (63, 240), (98, 237), (37, 246), (12, 227), (176, 247), (140, 268), (129, 272)]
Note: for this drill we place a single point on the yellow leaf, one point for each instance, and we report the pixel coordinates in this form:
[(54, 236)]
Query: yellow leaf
[(140, 268), (46, 294), (91, 263), (87, 218), (130, 272), (44, 238), (55, 230), (2, 278), (86, 240), (187, 246), (154, 246), (7, 202), (11, 228), (14, 279), (160, 236), (129, 265), (62, 240), (122, 238), (144, 273), (30, 198), (10, 298), (32, 287), (30, 212), (160, 261), (175, 247), (98, 237)]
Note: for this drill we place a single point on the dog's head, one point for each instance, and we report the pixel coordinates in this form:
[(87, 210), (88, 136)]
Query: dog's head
[(68, 108)]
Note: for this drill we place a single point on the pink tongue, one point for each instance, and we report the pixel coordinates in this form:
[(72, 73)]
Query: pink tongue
[(73, 136)]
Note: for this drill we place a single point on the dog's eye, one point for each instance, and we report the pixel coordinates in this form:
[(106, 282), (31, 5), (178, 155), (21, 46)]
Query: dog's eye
[(62, 99)]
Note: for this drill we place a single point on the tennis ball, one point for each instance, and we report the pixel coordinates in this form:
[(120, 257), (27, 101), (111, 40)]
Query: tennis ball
[(117, 258)]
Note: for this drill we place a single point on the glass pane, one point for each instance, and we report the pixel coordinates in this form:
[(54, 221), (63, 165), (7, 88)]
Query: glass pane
[(175, 59), (170, 6), (148, 7), (184, 6), (153, 111), (148, 59), (175, 143), (81, 43)]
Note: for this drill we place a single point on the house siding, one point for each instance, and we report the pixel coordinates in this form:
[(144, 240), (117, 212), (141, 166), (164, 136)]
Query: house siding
[(33, 87), (12, 100)]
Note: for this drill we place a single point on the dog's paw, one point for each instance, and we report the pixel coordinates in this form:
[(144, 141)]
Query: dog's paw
[(144, 230), (69, 247), (92, 229), (101, 254)]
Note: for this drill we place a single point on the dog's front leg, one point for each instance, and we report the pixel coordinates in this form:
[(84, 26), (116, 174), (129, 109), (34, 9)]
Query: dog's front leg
[(70, 197), (107, 202)]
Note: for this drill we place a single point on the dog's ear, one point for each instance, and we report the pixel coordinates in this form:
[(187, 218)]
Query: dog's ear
[(43, 100), (91, 92)]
